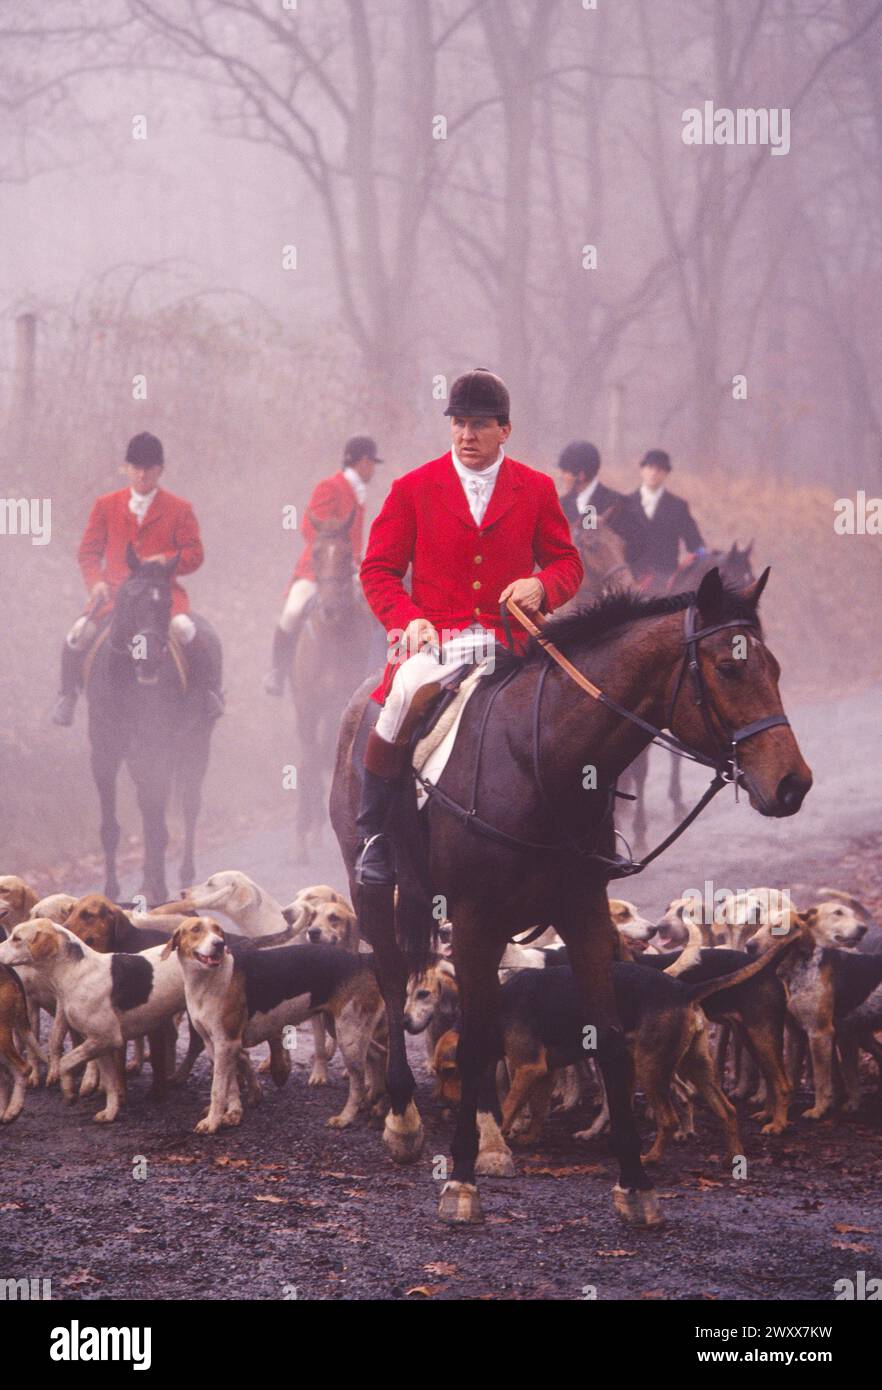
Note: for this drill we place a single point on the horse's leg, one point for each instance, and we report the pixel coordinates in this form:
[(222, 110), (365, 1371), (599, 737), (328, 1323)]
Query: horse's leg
[(591, 940), (190, 777), (106, 758), (403, 1130), (153, 781), (480, 1046), (675, 789)]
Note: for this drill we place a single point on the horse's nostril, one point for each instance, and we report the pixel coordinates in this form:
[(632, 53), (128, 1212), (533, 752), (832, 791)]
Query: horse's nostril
[(792, 791)]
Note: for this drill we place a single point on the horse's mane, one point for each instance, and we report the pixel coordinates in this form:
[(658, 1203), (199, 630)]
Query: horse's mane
[(589, 625)]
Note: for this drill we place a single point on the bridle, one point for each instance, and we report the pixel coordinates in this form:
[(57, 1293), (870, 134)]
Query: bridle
[(151, 628), (726, 741)]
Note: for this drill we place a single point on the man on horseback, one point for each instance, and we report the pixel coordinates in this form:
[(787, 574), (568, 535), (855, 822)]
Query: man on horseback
[(339, 498), (581, 462), (473, 525), (653, 522), (158, 526)]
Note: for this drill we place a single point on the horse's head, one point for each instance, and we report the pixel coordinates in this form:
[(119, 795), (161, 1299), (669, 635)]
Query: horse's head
[(141, 614), (602, 551), (739, 678), (735, 567), (334, 568)]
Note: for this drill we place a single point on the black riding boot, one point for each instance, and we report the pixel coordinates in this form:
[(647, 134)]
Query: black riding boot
[(71, 672), (375, 865), (205, 666), (283, 652)]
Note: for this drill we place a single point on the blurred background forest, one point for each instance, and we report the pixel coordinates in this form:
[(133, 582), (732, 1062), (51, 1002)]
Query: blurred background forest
[(299, 220)]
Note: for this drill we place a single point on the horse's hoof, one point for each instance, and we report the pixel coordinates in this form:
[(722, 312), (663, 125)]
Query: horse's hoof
[(460, 1204), (403, 1135), (495, 1163), (638, 1206)]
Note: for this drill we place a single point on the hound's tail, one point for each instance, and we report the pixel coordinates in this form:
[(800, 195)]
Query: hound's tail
[(766, 962)]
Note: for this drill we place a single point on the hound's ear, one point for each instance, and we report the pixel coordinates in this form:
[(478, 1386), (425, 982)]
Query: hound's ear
[(43, 944), (710, 594), (172, 944), (117, 922), (754, 591), (132, 560)]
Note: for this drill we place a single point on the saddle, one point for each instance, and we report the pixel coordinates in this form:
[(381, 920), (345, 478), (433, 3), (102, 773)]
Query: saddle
[(425, 730)]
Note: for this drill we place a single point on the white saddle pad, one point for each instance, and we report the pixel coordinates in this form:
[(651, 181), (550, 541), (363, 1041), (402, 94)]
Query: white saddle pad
[(431, 753)]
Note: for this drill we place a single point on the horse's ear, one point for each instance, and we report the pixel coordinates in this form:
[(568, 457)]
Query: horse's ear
[(710, 594), (754, 591), (171, 565), (749, 548), (132, 560), (733, 552)]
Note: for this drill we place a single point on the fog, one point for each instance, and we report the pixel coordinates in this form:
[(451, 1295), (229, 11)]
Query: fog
[(299, 221)]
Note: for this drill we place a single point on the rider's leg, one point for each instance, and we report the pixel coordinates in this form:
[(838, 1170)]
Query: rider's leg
[(286, 634), (204, 658), (73, 655), (384, 760)]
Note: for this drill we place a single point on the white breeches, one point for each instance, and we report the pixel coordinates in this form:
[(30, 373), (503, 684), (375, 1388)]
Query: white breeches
[(82, 634), (299, 594), (474, 645)]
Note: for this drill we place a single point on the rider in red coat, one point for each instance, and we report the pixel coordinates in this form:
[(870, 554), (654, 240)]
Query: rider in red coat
[(158, 526), (475, 528), (337, 499)]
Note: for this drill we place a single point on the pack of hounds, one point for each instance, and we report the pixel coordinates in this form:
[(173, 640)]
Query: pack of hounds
[(731, 1010)]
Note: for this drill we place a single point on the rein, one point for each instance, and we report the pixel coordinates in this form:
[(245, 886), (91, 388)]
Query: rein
[(725, 765)]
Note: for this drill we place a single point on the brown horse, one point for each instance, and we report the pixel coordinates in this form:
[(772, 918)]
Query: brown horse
[(332, 656), (515, 836)]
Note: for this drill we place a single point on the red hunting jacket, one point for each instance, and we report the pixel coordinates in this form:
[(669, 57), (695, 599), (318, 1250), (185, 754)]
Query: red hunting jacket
[(332, 500), (168, 528), (458, 568)]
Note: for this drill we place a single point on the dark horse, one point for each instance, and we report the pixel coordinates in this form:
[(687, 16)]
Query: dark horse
[(550, 854), (603, 560), (331, 659), (142, 711)]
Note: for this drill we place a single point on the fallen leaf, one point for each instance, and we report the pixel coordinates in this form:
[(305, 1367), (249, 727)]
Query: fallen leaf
[(424, 1290), (615, 1254), (80, 1277), (268, 1197), (440, 1267), (847, 1245), (841, 1226)]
